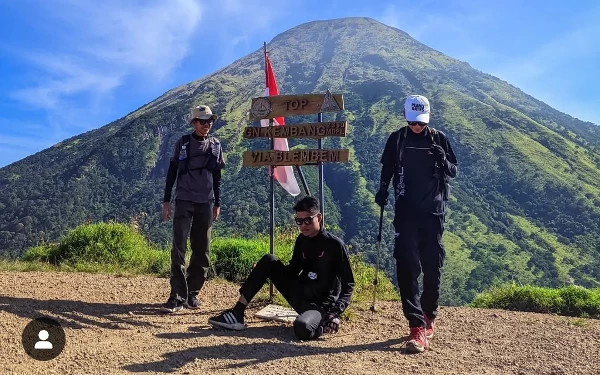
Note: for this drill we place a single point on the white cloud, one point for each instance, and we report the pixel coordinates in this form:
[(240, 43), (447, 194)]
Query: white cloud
[(580, 43), (102, 45), (64, 79), (545, 71), (391, 16), (106, 42), (235, 23), (28, 140), (97, 48), (442, 28)]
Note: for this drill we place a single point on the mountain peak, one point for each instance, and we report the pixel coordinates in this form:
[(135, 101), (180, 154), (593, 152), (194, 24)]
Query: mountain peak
[(525, 205)]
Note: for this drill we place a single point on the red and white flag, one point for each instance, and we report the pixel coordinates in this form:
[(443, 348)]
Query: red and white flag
[(283, 174)]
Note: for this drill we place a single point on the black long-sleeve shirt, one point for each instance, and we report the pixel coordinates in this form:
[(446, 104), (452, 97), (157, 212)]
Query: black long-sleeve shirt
[(323, 266), (417, 182)]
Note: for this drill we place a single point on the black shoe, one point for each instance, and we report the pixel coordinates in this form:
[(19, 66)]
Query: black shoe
[(228, 319), (172, 305), (192, 302)]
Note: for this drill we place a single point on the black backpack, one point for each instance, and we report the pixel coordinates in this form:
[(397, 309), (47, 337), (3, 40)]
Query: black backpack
[(212, 160)]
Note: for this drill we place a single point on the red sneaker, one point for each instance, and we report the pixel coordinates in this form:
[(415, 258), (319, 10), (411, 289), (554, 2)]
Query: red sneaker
[(429, 327), (418, 341)]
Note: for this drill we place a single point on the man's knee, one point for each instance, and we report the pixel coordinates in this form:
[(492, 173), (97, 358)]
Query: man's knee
[(268, 258), (306, 330), (265, 260), (307, 325)]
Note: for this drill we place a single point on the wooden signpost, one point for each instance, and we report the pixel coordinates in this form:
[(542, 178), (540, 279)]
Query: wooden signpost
[(294, 105), (268, 107), (271, 107), (257, 158), (311, 130)]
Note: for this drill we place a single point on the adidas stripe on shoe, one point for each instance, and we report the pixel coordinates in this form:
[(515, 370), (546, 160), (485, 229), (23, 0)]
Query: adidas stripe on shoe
[(228, 320)]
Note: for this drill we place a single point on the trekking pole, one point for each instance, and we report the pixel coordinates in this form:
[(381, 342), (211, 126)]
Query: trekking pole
[(376, 279)]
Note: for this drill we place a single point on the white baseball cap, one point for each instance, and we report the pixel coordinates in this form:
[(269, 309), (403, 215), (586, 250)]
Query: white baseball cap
[(416, 108)]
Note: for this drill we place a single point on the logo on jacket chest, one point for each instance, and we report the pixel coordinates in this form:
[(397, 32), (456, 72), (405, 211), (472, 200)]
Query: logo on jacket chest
[(312, 275)]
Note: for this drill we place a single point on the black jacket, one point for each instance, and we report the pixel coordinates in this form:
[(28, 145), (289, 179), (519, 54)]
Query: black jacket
[(323, 266), (420, 182)]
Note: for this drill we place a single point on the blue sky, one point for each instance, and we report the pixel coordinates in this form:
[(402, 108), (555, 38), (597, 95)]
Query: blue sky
[(68, 66)]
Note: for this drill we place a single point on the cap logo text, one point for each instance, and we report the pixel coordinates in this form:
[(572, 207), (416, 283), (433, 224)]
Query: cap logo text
[(418, 107)]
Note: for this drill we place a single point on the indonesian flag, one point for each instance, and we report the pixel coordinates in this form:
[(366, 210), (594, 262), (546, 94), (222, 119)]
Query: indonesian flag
[(283, 174)]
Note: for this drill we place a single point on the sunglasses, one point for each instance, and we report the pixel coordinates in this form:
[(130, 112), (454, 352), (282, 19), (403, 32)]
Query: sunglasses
[(203, 122), (305, 220), (416, 123)]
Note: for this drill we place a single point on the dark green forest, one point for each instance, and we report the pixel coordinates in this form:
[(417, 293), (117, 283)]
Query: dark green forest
[(525, 206)]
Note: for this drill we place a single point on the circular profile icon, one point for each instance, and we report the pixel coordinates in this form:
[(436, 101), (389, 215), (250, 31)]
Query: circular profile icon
[(43, 339)]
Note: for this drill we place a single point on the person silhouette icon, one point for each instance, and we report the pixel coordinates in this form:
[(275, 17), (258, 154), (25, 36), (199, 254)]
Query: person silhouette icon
[(43, 343)]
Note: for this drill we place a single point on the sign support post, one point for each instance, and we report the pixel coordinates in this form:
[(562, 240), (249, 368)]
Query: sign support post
[(269, 107)]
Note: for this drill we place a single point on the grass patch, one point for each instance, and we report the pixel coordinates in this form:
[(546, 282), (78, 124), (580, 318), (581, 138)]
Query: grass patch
[(578, 322), (364, 274), (25, 266), (569, 301), (116, 248), (102, 247), (233, 258)]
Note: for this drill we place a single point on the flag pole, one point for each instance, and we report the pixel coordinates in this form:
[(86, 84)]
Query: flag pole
[(303, 180), (272, 187), (321, 190)]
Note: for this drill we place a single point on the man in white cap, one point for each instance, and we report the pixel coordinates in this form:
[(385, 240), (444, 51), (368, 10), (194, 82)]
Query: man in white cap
[(420, 160), (196, 165)]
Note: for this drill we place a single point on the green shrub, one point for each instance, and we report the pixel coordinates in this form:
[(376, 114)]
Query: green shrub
[(118, 248), (41, 253), (364, 276), (570, 301), (233, 258), (93, 246)]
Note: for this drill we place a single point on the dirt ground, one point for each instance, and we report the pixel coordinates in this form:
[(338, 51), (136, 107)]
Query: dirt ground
[(113, 326)]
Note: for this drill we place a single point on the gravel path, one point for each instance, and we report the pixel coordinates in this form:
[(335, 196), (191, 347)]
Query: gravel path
[(113, 326)]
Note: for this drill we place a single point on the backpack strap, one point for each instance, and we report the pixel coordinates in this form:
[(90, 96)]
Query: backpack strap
[(433, 134), (400, 145), (186, 141)]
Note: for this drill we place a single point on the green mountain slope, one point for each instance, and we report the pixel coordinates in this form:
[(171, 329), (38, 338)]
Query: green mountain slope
[(525, 206)]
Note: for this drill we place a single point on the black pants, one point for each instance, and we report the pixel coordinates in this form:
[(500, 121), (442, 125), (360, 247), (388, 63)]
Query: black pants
[(200, 216), (307, 325), (418, 247)]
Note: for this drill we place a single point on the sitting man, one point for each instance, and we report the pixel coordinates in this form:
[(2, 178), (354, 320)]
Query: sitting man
[(317, 283)]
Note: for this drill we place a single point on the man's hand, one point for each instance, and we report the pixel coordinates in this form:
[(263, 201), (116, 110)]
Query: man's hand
[(331, 324), (439, 153), (166, 211), (216, 212), (381, 197)]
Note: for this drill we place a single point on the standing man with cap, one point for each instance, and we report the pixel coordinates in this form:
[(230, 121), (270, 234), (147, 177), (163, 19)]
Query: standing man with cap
[(196, 165), (420, 160)]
